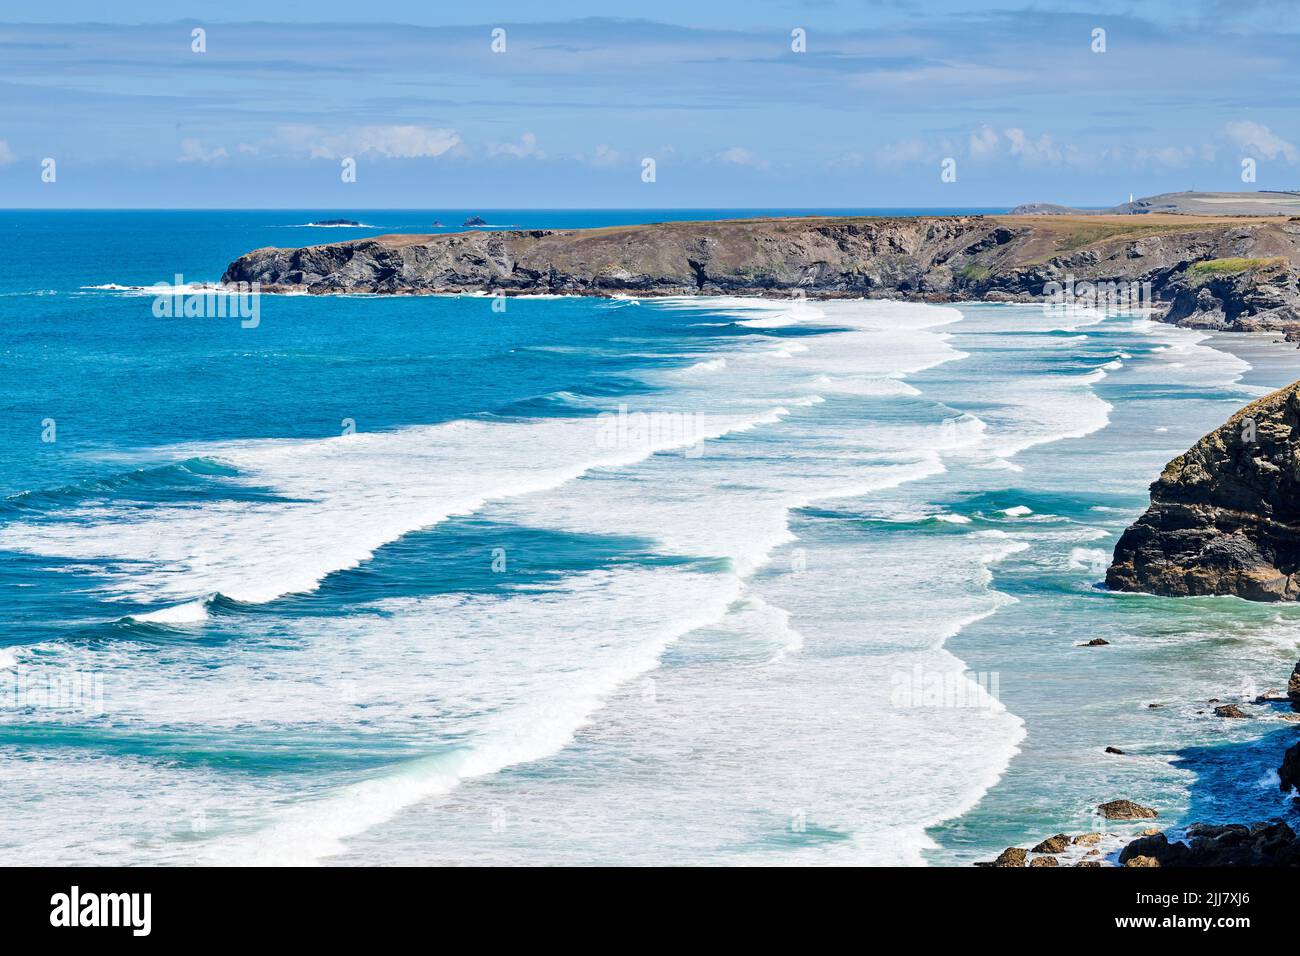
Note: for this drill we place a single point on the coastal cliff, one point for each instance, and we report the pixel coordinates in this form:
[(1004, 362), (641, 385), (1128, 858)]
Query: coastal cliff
[(1225, 516), (1207, 272)]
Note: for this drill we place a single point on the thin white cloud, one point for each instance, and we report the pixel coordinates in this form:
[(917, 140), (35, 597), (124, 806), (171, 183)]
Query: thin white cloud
[(1174, 157), (389, 142), (739, 156), (526, 148), (849, 160), (1259, 139), (606, 156), (6, 154), (904, 151), (193, 151), (948, 76), (1039, 150)]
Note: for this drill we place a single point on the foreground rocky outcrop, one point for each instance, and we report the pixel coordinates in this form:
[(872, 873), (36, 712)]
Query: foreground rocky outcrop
[(1225, 516), (1209, 272), (1272, 843)]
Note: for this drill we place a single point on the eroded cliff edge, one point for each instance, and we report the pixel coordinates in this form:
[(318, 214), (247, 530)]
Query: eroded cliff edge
[(1220, 273), (1225, 516)]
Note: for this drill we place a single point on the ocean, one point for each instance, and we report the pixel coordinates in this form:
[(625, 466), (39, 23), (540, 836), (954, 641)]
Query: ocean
[(423, 580)]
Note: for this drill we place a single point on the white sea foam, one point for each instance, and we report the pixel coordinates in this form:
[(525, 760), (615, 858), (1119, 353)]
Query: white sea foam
[(951, 518), (344, 497), (709, 365), (741, 752), (191, 613), (736, 504), (469, 685)]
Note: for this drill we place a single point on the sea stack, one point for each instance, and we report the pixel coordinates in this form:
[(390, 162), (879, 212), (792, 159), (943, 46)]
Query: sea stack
[(1225, 516)]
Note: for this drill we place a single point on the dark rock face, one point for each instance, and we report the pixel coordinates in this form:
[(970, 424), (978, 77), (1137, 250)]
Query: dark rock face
[(1225, 516), (1289, 772), (1235, 844), (1259, 298), (846, 256), (1293, 687)]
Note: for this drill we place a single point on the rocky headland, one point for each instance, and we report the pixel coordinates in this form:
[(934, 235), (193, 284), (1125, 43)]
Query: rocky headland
[(1213, 272), (1224, 516)]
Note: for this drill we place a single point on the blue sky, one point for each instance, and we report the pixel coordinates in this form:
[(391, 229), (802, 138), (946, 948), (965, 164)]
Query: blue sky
[(583, 93)]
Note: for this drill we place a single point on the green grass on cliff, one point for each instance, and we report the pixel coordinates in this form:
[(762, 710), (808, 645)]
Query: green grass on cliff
[(1086, 234), (975, 272), (1057, 235), (1227, 267)]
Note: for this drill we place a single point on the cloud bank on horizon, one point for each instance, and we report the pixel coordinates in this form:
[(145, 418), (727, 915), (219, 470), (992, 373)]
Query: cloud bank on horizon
[(777, 104)]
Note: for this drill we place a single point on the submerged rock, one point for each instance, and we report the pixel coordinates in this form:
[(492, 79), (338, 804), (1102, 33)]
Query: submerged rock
[(1114, 750), (1095, 642), (1225, 516)]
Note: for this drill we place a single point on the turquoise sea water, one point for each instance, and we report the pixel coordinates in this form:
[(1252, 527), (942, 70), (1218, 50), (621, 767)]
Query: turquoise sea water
[(589, 581)]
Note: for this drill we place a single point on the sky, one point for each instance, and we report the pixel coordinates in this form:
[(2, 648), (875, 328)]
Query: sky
[(759, 104)]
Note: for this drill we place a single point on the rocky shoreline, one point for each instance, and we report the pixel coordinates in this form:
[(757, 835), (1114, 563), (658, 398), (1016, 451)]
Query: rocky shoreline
[(1266, 843), (1227, 273)]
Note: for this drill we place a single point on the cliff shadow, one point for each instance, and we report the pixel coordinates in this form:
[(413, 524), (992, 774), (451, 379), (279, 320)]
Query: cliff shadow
[(1238, 782)]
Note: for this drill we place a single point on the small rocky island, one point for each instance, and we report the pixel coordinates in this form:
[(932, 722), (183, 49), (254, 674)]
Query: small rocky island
[(1225, 516)]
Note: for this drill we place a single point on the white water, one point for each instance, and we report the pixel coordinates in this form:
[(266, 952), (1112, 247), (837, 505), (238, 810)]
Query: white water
[(784, 704)]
